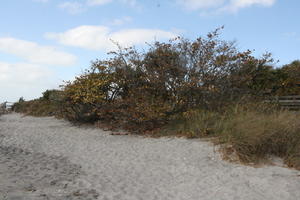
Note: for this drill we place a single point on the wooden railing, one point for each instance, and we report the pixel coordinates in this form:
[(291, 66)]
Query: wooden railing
[(288, 102)]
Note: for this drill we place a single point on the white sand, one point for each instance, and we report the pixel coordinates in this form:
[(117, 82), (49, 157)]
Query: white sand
[(45, 158)]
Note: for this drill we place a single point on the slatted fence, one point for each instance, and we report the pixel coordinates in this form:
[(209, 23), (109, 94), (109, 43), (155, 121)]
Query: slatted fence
[(288, 102)]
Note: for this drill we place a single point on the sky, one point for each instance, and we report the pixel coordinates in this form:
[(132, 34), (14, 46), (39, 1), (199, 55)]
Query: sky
[(46, 42)]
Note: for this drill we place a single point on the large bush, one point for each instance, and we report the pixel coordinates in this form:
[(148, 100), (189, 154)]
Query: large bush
[(147, 88)]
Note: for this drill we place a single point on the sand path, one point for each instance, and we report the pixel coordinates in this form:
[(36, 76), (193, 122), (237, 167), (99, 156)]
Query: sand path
[(46, 158)]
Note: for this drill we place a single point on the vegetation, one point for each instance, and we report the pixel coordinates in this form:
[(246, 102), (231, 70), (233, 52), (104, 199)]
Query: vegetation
[(253, 131), (200, 88), (146, 89), (50, 104), (255, 135)]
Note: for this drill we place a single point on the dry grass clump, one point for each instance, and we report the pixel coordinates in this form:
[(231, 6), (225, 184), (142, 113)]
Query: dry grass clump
[(255, 134), (194, 124)]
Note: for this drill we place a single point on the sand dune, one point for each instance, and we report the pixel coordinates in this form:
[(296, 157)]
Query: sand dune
[(46, 158)]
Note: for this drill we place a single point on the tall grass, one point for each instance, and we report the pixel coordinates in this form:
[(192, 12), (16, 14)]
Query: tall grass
[(255, 135), (253, 131), (196, 123)]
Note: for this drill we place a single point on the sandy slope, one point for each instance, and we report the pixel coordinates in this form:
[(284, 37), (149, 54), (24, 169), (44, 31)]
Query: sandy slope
[(45, 158)]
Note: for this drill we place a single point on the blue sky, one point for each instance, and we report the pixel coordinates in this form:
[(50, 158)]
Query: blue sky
[(43, 42)]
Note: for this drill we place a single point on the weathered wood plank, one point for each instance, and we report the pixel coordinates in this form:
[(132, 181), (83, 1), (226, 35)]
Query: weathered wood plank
[(289, 97), (288, 102)]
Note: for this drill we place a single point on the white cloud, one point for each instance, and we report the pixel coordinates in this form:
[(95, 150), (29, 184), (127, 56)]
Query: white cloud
[(13, 83), (14, 73), (219, 6), (200, 4), (76, 7), (41, 1), (103, 2), (101, 37), (235, 5), (131, 37), (121, 21), (132, 3), (88, 37), (35, 53), (72, 7), (98, 2)]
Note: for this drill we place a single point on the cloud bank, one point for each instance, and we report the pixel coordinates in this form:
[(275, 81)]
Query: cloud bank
[(35, 53), (76, 7), (23, 79), (33, 75), (97, 2), (101, 37), (41, 1), (219, 6)]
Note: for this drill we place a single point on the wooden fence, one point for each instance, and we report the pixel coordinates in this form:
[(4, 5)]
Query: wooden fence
[(288, 102)]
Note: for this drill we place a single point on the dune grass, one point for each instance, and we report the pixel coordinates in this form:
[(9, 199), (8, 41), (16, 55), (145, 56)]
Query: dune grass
[(255, 135), (254, 131)]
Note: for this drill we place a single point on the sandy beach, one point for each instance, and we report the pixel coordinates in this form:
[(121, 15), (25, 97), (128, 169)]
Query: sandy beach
[(46, 158)]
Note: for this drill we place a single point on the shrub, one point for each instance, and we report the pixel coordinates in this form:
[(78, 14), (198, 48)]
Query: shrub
[(290, 84), (145, 89), (87, 95), (50, 104)]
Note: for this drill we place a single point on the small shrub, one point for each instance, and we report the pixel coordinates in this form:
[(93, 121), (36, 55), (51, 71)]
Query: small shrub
[(50, 104)]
